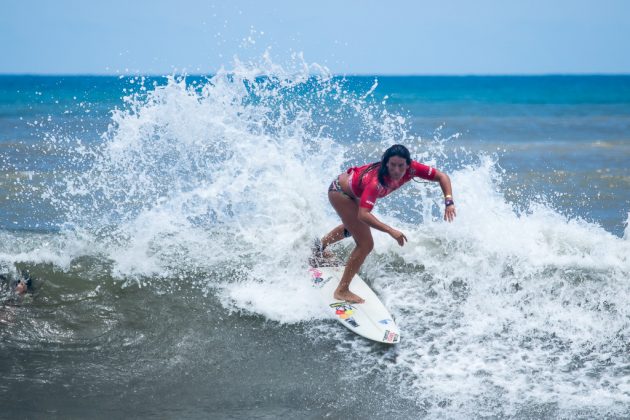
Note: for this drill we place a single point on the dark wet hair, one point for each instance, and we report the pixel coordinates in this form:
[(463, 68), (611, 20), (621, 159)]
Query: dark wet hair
[(13, 282), (395, 150), (27, 279)]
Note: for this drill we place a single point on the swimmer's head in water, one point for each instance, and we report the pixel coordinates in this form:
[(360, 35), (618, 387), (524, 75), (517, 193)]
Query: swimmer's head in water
[(21, 284)]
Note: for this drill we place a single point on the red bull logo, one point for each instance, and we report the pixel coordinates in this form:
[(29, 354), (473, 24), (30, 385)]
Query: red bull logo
[(345, 311)]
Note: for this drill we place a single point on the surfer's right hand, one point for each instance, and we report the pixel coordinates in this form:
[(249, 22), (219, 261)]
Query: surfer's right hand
[(399, 236)]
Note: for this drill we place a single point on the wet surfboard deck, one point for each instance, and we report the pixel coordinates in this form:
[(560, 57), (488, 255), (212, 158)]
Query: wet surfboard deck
[(370, 319)]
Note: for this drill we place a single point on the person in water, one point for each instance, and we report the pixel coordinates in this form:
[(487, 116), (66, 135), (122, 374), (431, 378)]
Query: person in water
[(18, 284), (353, 195), (14, 289)]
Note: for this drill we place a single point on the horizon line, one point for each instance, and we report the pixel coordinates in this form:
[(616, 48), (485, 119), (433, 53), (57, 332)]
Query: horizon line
[(576, 74)]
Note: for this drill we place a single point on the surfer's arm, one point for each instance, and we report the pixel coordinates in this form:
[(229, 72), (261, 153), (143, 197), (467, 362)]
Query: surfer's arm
[(447, 190), (369, 219)]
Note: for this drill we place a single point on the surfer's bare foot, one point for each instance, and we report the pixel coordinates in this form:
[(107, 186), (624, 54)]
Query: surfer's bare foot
[(321, 257), (327, 254), (348, 296), (320, 252)]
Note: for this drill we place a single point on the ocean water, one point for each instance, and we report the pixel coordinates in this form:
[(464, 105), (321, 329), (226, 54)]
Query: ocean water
[(166, 223)]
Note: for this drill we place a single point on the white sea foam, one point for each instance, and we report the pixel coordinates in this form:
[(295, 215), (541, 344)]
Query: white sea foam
[(227, 179), (517, 307)]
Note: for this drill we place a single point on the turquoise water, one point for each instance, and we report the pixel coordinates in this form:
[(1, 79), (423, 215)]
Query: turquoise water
[(167, 221), (569, 134)]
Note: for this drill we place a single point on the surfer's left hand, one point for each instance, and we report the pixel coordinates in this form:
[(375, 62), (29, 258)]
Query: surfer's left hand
[(449, 213)]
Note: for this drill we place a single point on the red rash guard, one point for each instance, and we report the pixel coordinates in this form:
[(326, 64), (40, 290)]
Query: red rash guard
[(369, 189)]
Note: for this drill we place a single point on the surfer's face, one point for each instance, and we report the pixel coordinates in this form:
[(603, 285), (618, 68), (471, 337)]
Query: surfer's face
[(21, 287), (396, 167)]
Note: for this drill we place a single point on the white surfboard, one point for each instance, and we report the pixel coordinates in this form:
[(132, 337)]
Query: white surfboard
[(369, 319)]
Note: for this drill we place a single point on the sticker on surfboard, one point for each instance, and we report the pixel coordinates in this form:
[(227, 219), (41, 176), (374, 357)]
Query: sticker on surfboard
[(370, 319)]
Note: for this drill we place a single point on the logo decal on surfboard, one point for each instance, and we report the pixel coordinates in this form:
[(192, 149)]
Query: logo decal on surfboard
[(344, 311), (318, 279), (390, 337)]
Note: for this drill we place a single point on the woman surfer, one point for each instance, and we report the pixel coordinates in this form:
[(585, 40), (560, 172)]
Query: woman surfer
[(353, 195)]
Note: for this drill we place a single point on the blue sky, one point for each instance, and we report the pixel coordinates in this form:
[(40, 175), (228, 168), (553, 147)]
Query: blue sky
[(349, 37)]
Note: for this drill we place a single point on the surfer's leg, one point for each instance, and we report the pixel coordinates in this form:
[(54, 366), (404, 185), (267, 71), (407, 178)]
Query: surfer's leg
[(334, 236), (335, 192), (348, 211), (365, 244)]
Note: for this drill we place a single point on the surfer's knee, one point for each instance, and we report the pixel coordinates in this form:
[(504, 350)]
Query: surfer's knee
[(365, 246)]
